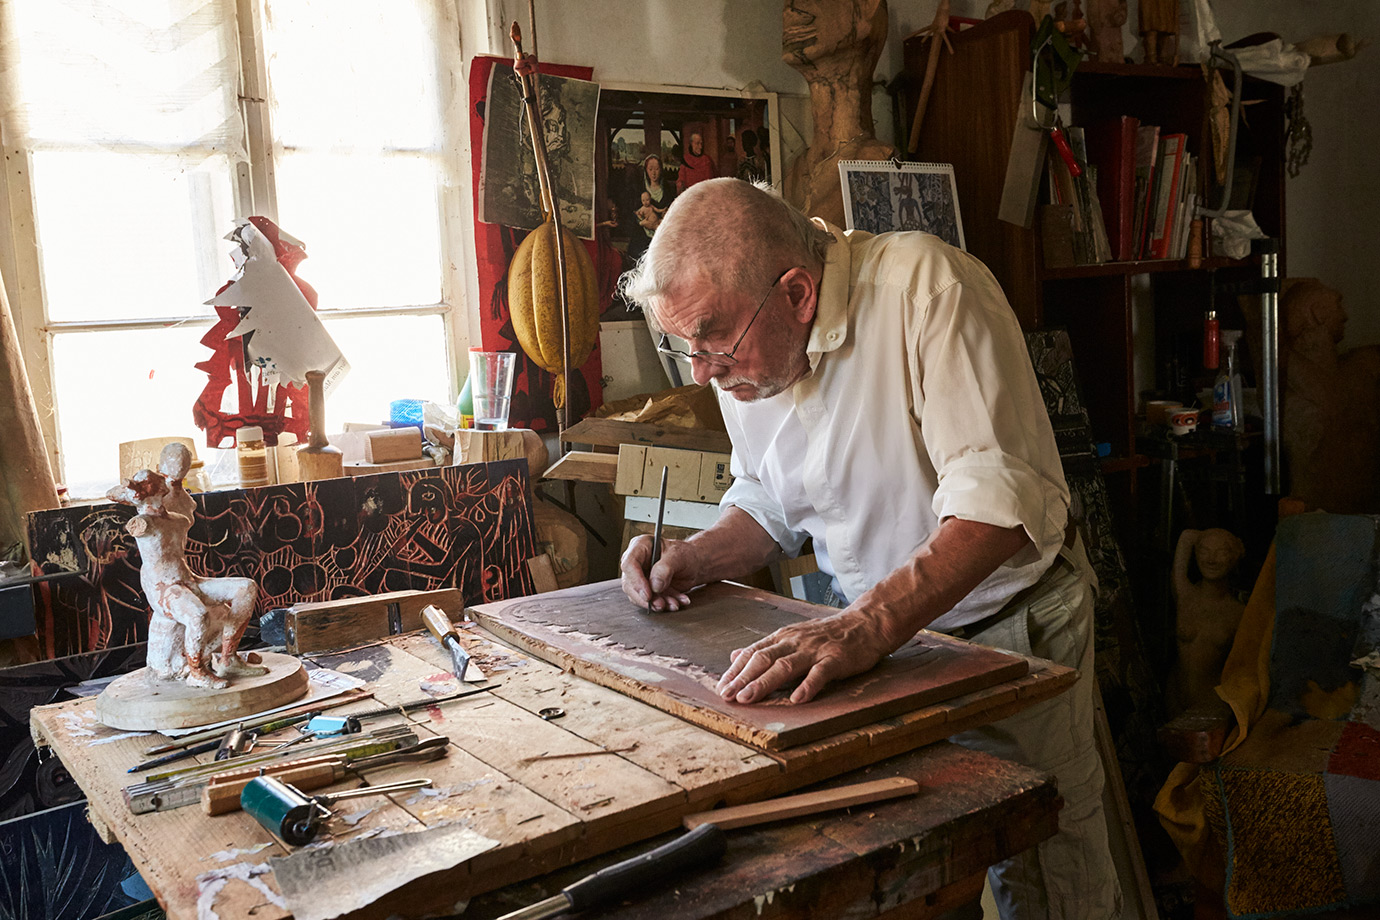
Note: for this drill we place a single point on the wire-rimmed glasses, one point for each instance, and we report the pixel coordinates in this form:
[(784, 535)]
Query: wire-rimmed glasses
[(721, 358)]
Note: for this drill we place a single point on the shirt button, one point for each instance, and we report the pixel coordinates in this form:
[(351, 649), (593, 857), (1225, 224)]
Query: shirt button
[(832, 336)]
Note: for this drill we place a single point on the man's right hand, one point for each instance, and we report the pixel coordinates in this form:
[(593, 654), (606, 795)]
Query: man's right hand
[(665, 587)]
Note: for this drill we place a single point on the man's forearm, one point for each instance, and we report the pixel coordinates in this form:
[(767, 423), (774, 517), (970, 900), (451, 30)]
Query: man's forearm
[(954, 561), (735, 546)]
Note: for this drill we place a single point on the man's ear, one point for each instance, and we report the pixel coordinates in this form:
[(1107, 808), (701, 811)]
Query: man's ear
[(803, 291)]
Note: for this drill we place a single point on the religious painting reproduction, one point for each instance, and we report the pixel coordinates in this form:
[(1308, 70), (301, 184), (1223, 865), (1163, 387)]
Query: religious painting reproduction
[(509, 192), (654, 143), (879, 196)]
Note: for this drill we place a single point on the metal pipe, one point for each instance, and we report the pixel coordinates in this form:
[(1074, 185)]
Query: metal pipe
[(1269, 309)]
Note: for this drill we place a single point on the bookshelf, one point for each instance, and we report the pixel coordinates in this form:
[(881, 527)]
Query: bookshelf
[(969, 122)]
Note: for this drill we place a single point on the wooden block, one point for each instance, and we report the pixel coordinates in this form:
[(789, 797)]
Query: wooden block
[(695, 476), (632, 462), (683, 479), (715, 477), (360, 468), (355, 620), (143, 454), (543, 573), (392, 444), (604, 432), (584, 466), (473, 446)]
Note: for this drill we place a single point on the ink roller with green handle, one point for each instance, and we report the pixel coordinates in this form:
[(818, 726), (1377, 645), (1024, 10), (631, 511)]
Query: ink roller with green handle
[(282, 810), (294, 818)]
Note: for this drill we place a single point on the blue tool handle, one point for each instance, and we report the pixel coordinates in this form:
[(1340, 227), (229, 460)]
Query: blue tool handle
[(705, 844)]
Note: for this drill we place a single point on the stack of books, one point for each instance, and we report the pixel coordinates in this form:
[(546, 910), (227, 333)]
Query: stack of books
[(1145, 185)]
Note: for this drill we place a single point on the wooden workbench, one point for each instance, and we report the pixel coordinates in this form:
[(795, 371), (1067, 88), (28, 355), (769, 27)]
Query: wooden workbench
[(610, 772)]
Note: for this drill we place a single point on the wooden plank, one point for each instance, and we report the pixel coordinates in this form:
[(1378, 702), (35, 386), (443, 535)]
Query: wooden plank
[(971, 808), (351, 621), (361, 468), (571, 772), (807, 803), (706, 766), (583, 466), (673, 660), (603, 432)]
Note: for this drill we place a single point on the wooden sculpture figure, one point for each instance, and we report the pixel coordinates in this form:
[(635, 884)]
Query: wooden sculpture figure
[(835, 44), (1208, 613), (1330, 418), (1159, 30), (196, 623)]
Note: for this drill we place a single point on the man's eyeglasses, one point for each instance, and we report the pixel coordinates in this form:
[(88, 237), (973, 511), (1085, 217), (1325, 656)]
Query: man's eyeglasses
[(721, 358)]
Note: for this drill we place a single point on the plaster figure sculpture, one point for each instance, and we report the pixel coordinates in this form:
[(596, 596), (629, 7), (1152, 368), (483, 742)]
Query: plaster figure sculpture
[(835, 44), (1207, 615), (196, 623), (1330, 419)]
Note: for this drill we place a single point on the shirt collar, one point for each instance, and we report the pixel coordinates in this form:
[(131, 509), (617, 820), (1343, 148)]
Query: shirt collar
[(830, 328)]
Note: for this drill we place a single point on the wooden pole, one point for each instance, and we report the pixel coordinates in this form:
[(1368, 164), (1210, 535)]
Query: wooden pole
[(549, 190), (26, 479)]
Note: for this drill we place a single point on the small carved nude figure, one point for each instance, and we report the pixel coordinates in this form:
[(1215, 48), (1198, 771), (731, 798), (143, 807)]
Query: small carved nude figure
[(196, 622), (1208, 614)]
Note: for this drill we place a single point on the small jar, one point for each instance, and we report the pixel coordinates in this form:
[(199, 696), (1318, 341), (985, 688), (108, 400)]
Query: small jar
[(197, 480), (252, 456)]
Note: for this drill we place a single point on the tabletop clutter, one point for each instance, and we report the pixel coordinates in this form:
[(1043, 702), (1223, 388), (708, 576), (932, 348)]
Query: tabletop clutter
[(294, 738)]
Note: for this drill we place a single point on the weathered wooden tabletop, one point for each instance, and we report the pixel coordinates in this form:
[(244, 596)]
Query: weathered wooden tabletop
[(609, 773)]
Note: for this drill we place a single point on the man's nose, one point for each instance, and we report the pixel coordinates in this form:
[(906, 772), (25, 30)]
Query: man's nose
[(704, 371)]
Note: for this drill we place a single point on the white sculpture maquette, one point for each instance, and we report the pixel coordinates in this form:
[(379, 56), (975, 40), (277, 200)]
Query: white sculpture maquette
[(196, 623)]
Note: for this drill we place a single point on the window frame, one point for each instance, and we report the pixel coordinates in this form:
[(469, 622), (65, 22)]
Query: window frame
[(254, 192)]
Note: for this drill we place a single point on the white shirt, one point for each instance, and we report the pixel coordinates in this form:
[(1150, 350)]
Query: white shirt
[(920, 404)]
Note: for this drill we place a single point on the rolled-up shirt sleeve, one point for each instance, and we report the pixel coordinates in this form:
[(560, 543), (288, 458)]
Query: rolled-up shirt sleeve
[(980, 411)]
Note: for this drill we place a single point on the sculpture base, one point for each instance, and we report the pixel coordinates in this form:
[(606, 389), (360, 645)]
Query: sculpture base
[(138, 701)]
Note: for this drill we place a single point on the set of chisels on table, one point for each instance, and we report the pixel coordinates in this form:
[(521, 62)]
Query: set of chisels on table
[(273, 779)]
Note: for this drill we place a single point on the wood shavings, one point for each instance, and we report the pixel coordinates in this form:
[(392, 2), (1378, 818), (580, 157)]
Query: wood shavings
[(227, 855), (209, 885)]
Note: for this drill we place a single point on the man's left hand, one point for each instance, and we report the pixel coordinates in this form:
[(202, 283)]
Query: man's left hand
[(813, 652)]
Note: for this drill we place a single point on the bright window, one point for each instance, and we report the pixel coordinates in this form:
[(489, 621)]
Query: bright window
[(149, 128)]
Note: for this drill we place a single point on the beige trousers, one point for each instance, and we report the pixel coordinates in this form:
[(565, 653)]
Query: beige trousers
[(1070, 876)]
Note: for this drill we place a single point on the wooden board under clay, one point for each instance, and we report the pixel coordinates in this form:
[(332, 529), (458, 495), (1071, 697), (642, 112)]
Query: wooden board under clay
[(673, 660)]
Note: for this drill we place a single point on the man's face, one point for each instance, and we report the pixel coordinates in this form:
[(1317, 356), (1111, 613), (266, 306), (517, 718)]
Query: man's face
[(770, 358), (696, 144)]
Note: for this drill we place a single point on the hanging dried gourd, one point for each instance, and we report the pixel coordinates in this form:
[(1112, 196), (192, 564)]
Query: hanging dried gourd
[(553, 293), (535, 303)]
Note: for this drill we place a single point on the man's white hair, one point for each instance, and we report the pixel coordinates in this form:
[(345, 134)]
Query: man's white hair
[(731, 235)]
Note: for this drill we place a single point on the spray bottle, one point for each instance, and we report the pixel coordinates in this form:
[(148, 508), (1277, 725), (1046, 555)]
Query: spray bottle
[(1226, 391)]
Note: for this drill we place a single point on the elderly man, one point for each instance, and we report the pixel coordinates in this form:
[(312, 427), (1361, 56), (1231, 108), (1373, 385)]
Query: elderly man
[(881, 403)]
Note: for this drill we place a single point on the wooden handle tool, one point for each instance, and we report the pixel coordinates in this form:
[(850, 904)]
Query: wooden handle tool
[(440, 626), (807, 803), (222, 794)]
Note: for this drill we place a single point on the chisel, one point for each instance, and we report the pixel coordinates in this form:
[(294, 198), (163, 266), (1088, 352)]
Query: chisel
[(441, 627), (705, 844)]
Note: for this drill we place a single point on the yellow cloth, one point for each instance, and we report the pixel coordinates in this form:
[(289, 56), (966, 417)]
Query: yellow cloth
[(1245, 687)]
